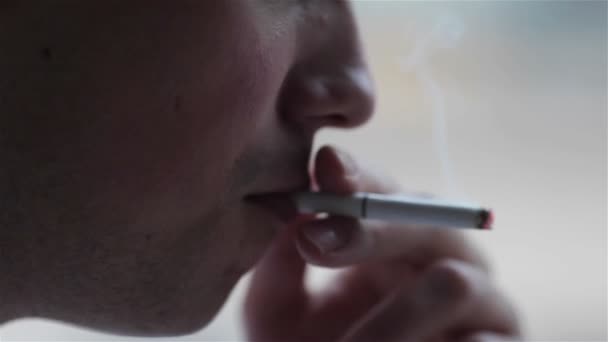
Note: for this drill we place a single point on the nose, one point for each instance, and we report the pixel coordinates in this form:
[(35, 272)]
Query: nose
[(330, 84)]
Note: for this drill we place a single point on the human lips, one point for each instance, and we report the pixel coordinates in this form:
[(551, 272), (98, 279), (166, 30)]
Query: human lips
[(281, 170), (278, 200), (279, 204)]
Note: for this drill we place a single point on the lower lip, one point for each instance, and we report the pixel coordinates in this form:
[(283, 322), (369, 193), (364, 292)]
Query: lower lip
[(279, 204)]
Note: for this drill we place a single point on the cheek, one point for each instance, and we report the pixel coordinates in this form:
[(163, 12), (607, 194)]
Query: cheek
[(170, 143)]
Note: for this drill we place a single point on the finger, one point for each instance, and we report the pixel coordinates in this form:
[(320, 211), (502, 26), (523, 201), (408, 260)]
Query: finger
[(488, 337), (338, 241), (489, 309), (337, 172), (412, 312), (451, 297), (276, 294)]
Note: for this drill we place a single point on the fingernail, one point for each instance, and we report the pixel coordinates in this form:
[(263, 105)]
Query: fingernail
[(348, 163), (326, 239)]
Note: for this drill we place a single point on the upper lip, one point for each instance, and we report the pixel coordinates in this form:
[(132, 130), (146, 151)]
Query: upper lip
[(288, 180), (285, 172)]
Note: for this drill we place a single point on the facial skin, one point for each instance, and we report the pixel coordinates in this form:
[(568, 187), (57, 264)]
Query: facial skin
[(131, 133)]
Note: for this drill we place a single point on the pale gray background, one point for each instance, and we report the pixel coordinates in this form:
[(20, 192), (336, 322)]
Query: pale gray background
[(523, 85)]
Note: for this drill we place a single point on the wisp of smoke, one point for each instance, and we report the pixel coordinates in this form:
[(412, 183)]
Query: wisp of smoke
[(445, 33)]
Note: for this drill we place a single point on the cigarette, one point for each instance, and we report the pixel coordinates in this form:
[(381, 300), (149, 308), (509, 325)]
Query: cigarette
[(397, 208)]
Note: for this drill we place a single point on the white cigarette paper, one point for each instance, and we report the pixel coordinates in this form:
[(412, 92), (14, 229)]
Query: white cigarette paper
[(396, 208)]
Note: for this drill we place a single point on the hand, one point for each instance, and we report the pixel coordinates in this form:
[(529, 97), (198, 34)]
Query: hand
[(405, 283)]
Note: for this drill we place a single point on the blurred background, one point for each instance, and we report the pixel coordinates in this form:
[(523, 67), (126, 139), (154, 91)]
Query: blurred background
[(500, 102)]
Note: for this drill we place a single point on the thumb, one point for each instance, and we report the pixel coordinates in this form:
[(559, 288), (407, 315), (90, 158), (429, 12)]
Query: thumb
[(277, 294)]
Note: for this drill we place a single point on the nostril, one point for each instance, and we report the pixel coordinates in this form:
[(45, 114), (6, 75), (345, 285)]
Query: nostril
[(338, 120)]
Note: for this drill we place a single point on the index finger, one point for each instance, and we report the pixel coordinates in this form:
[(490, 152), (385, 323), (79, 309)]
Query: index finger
[(337, 172), (340, 241)]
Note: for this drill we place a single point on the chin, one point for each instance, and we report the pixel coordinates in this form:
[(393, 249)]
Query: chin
[(172, 327), (173, 320), (164, 312), (195, 314), (259, 228)]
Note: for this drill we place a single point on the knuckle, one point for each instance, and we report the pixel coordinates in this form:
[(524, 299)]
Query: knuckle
[(454, 280), (453, 244), (513, 324)]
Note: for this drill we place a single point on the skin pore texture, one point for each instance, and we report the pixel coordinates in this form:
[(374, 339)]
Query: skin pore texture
[(131, 133)]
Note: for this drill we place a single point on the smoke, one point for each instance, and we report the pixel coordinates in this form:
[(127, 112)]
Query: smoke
[(446, 32)]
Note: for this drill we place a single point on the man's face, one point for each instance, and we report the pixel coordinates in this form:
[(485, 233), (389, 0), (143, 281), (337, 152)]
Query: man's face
[(132, 133)]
